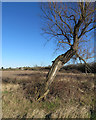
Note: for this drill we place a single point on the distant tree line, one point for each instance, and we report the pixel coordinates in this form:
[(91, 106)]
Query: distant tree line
[(75, 68)]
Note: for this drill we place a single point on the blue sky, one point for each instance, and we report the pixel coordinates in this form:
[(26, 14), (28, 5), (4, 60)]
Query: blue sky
[(22, 42)]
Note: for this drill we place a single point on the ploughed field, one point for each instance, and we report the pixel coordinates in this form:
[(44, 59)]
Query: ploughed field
[(71, 95)]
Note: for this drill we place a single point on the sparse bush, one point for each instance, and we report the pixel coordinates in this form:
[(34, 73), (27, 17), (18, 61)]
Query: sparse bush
[(78, 68), (2, 68)]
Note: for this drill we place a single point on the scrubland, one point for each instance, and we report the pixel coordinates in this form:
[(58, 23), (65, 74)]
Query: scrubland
[(72, 95)]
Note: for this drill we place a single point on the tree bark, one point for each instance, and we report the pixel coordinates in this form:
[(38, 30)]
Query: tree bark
[(57, 64)]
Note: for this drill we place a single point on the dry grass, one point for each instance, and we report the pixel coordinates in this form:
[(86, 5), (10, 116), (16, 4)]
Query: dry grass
[(71, 95)]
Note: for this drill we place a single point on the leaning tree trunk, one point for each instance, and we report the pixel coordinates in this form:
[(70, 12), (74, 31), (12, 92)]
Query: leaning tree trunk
[(57, 64)]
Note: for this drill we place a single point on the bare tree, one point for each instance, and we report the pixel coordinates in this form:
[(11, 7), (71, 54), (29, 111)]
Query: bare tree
[(70, 24)]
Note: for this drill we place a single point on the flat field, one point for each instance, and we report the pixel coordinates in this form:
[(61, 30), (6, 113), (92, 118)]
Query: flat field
[(71, 95)]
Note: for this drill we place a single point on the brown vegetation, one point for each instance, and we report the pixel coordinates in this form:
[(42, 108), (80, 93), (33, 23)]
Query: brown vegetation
[(68, 91)]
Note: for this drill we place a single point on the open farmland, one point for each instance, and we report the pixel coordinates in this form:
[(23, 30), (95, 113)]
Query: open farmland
[(71, 95)]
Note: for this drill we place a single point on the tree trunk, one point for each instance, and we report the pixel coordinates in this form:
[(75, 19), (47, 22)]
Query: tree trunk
[(57, 64), (85, 69)]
